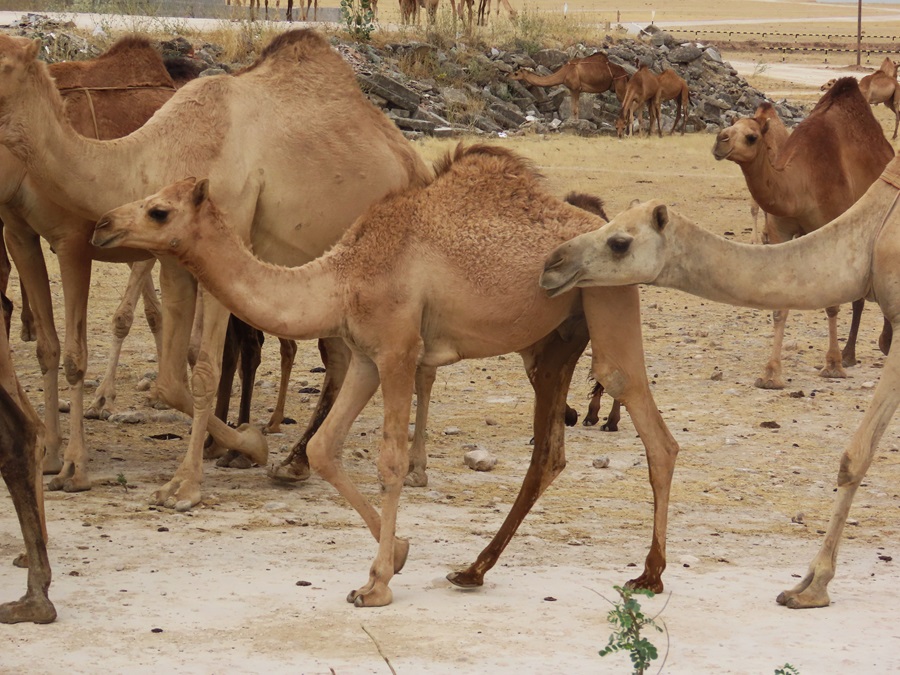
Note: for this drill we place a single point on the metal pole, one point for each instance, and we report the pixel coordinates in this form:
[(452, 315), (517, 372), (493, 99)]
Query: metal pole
[(858, 30)]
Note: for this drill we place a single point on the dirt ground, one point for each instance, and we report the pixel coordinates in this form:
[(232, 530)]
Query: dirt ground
[(254, 578)]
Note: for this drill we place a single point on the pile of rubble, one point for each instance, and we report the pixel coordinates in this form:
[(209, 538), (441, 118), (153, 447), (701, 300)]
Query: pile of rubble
[(464, 90)]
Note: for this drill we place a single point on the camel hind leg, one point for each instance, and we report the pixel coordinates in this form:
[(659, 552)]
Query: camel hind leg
[(848, 355), (418, 459), (288, 351), (549, 364), (812, 591), (833, 367)]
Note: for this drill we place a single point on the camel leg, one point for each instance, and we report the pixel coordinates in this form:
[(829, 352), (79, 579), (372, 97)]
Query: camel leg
[(812, 591), (251, 356), (549, 364), (152, 310), (359, 386), (848, 355), (613, 316), (75, 270), (656, 111), (230, 356), (25, 249), (105, 396), (336, 359), (615, 414), (833, 367), (418, 459), (28, 331), (19, 444), (886, 337), (576, 107), (772, 377), (183, 491), (288, 350), (593, 415)]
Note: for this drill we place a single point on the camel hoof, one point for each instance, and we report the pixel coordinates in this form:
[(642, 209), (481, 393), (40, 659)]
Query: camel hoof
[(289, 473), (371, 598), (849, 360), (212, 450), (466, 579), (76, 485), (28, 334), (802, 600), (95, 413), (233, 460), (401, 552), (771, 383), (589, 421), (646, 582), (253, 444), (416, 478), (21, 561), (836, 372), (33, 609), (610, 427), (571, 417)]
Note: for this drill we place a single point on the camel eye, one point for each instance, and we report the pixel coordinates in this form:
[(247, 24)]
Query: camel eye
[(159, 215), (619, 243), (752, 138)]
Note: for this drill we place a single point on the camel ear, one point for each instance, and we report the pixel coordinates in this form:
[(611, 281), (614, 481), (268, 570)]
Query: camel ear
[(200, 193), (765, 126), (660, 217), (33, 49)]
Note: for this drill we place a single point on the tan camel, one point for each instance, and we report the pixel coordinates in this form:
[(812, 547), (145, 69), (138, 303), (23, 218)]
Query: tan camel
[(427, 277), (21, 447), (860, 256), (290, 209), (642, 89), (484, 10), (673, 88), (816, 173), (106, 97), (594, 74), (880, 87)]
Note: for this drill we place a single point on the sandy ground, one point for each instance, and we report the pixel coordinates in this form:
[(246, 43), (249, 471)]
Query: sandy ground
[(141, 589)]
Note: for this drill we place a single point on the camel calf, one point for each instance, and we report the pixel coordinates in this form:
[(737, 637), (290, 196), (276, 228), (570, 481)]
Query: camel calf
[(643, 88), (674, 88)]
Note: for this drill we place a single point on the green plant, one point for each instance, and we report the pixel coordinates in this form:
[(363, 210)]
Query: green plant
[(121, 480), (359, 18), (628, 621), (787, 669)]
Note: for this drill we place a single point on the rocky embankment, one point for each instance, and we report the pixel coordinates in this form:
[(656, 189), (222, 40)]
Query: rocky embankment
[(431, 89)]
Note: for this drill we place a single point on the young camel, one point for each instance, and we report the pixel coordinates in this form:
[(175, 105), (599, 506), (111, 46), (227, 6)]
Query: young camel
[(643, 89), (290, 210), (673, 88), (880, 87), (594, 74), (860, 254), (804, 181), (427, 277)]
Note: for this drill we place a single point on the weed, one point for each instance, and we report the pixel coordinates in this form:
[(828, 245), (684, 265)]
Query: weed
[(628, 621), (121, 480), (359, 18), (787, 669)]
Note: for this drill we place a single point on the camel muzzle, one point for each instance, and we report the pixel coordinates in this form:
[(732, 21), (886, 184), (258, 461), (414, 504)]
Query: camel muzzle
[(103, 235), (559, 273)]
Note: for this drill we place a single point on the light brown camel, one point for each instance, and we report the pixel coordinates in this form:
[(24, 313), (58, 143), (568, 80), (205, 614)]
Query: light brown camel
[(673, 88), (860, 256), (642, 89), (880, 87), (105, 97), (594, 74), (427, 277), (430, 7), (484, 10), (817, 172), (409, 11), (21, 447), (290, 209)]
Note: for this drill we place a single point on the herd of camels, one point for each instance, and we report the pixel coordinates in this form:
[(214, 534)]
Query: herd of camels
[(397, 268)]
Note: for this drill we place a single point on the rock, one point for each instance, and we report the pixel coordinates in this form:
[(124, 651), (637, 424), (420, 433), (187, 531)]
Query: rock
[(797, 518), (395, 92), (451, 431), (684, 54), (550, 58), (409, 124), (579, 127), (712, 54), (480, 460), (209, 72), (130, 417), (716, 376), (600, 463), (506, 115)]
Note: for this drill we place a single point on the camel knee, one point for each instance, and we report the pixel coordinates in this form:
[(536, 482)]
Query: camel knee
[(320, 459), (121, 323), (74, 366), (852, 470), (392, 469), (47, 351), (154, 319), (204, 381), (831, 312)]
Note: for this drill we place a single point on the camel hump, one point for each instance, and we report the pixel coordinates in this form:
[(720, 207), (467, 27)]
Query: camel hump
[(508, 161), (126, 44), (590, 203), (765, 111), (296, 45)]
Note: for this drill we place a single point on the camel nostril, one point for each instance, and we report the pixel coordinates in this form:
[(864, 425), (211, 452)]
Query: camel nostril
[(619, 243), (554, 261), (102, 223)]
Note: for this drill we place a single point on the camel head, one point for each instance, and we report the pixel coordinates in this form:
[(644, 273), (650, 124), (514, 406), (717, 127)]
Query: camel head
[(630, 249), (18, 56), (519, 74), (746, 137), (828, 85), (159, 223)]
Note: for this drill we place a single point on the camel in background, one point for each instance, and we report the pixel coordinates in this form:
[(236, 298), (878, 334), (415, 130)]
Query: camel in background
[(484, 10), (673, 88), (804, 181), (264, 187), (594, 74), (880, 87), (642, 89), (857, 255), (427, 277)]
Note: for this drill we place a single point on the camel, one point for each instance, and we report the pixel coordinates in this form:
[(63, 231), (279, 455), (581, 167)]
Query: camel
[(858, 251), (105, 97), (409, 11), (427, 277), (594, 74), (484, 10), (291, 211), (21, 446), (642, 89), (673, 88), (804, 180), (880, 87)]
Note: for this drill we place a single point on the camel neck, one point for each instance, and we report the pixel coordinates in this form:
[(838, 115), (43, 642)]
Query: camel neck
[(545, 80), (769, 186), (295, 303), (826, 268)]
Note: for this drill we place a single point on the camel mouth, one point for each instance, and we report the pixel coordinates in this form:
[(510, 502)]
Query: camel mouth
[(719, 155), (106, 239), (556, 282)]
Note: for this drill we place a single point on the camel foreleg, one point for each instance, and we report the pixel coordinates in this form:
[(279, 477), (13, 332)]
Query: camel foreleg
[(418, 458), (288, 350), (848, 355), (549, 364), (833, 367), (812, 591), (772, 377)]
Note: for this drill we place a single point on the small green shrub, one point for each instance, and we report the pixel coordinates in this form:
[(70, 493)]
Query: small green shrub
[(359, 18), (628, 621)]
